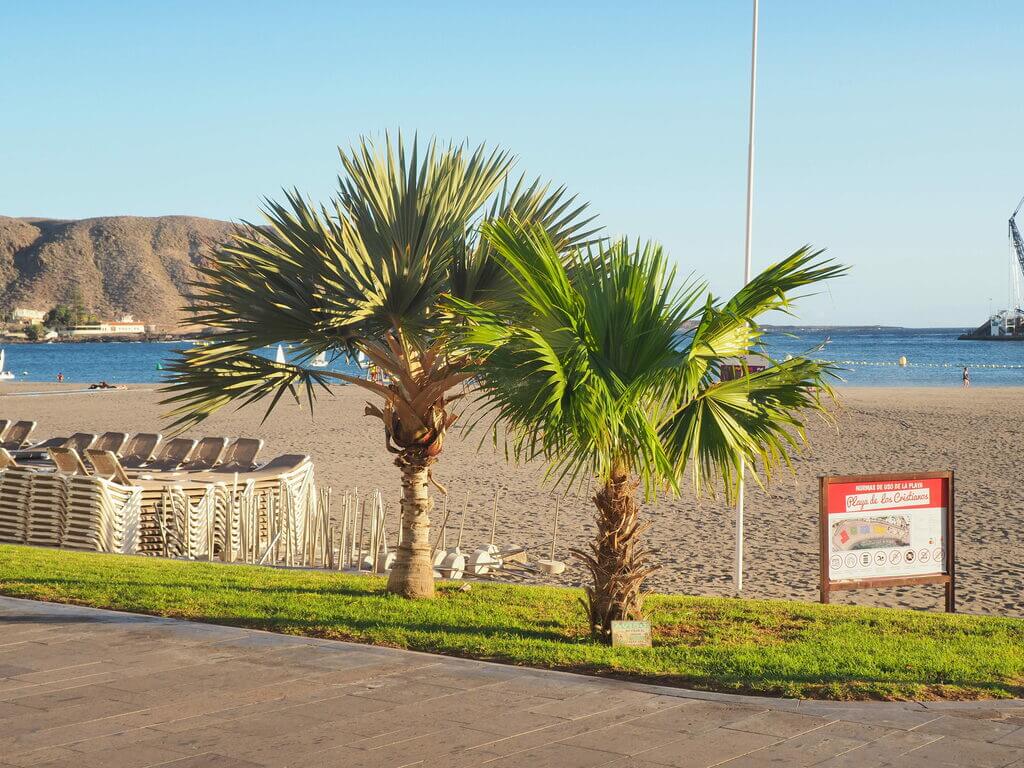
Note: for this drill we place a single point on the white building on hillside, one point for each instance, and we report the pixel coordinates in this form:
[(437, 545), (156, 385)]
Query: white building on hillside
[(23, 315), (126, 325)]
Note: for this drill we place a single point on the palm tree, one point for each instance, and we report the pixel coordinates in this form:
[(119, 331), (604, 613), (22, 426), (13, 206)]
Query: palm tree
[(363, 274), (600, 379)]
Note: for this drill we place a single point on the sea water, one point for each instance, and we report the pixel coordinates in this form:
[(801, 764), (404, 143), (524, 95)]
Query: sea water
[(870, 357), (867, 357), (116, 362)]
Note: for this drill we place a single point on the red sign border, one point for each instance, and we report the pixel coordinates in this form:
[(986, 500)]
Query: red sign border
[(948, 578)]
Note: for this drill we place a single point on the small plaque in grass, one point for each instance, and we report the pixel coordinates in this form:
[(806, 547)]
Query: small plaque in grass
[(631, 634)]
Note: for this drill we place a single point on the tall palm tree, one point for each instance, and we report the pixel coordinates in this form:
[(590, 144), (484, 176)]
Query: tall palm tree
[(363, 274), (600, 378)]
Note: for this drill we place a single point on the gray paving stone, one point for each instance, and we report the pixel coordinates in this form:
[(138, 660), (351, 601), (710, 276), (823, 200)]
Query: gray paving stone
[(969, 728), (590, 704), (707, 749), (555, 756), (38, 757), (85, 688), (696, 716), (562, 730), (956, 751), (887, 717), (623, 739), (131, 756), (881, 750), (781, 724), (1014, 739), (209, 760)]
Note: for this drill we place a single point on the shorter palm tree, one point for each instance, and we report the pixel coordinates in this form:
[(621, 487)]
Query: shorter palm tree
[(599, 378)]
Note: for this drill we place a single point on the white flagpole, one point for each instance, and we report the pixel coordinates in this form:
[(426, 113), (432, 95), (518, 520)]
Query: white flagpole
[(738, 577)]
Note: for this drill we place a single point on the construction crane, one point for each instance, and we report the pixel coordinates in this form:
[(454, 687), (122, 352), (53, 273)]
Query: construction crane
[(1008, 324), (1016, 241)]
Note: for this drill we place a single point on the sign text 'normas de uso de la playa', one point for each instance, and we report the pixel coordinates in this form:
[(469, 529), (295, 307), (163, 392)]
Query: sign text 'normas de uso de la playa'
[(887, 531)]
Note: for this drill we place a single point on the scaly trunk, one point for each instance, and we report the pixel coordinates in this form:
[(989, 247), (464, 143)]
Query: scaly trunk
[(413, 573), (617, 561)]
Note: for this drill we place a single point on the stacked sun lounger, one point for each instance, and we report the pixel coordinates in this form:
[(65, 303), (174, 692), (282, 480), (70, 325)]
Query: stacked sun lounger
[(207, 514), (47, 506), (102, 515), (188, 526), (15, 490), (188, 498)]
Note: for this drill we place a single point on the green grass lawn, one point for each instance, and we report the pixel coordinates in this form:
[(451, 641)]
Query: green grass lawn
[(753, 646)]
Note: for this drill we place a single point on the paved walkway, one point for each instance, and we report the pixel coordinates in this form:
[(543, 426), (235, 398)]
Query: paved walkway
[(81, 687)]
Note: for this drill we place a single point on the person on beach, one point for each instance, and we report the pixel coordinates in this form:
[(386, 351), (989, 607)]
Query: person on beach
[(967, 377), (60, 377)]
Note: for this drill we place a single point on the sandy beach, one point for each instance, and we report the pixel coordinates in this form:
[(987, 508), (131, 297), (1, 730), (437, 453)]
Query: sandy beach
[(977, 433)]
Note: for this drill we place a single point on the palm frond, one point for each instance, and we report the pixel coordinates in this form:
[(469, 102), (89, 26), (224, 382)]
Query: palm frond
[(351, 276), (568, 378), (732, 330), (757, 418), (596, 372), (201, 384), (476, 273)]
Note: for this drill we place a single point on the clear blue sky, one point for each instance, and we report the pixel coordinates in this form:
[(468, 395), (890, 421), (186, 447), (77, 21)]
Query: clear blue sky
[(890, 132)]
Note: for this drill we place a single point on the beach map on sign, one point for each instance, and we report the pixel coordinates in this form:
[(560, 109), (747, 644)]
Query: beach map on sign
[(887, 528)]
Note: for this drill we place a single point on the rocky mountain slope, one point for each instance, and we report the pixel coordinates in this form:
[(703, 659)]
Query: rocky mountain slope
[(113, 264)]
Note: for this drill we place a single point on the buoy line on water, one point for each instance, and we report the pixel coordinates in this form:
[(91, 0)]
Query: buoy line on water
[(908, 364)]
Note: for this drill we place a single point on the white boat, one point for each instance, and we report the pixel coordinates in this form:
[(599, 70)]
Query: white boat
[(280, 355), (4, 374), (320, 361)]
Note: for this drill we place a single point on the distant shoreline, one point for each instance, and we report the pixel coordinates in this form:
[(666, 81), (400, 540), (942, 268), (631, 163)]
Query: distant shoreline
[(805, 328), (144, 338)]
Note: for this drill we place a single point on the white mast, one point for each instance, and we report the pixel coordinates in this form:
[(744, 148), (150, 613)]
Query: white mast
[(738, 576)]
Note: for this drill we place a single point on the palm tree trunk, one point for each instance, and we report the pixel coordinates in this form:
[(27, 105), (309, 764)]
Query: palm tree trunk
[(617, 561), (413, 573)]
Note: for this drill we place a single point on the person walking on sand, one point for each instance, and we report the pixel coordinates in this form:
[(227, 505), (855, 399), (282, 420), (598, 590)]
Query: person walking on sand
[(967, 377), (60, 377)]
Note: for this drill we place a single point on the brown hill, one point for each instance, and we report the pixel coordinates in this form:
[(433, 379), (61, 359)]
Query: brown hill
[(114, 264)]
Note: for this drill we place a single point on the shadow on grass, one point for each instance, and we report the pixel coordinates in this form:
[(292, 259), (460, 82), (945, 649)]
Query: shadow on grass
[(332, 589)]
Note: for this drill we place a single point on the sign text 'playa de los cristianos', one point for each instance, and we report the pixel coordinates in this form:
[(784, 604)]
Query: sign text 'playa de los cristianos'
[(887, 530)]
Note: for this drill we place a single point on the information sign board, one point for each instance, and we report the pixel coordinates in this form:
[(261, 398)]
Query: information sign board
[(887, 530), (631, 634)]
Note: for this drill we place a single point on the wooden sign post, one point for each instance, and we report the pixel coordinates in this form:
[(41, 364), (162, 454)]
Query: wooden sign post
[(887, 531)]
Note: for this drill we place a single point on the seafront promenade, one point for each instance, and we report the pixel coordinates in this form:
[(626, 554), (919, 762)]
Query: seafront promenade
[(83, 687)]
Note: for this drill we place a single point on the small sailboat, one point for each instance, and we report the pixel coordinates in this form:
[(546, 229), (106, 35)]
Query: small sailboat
[(320, 361), (3, 373), (279, 358)]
